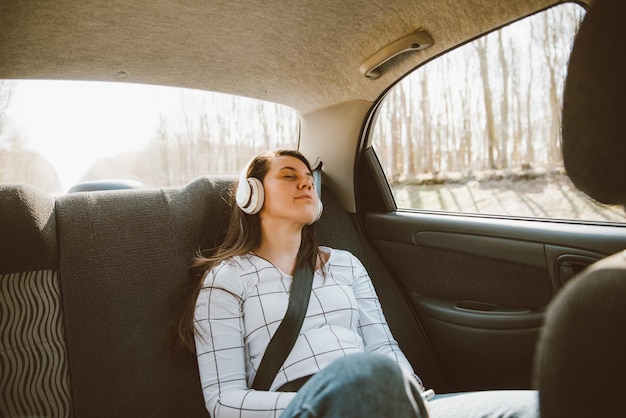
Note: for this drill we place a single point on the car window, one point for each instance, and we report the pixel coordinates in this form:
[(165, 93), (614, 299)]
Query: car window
[(55, 134), (478, 129)]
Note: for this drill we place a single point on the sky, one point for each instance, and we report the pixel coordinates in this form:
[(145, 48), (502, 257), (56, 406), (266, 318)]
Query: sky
[(72, 124)]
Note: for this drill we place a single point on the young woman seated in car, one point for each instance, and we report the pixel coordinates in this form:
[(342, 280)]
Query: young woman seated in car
[(344, 358)]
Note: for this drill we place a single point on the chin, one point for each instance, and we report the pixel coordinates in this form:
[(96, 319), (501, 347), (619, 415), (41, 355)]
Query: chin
[(306, 220)]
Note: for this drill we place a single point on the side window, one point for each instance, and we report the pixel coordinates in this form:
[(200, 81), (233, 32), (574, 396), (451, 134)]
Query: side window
[(478, 129)]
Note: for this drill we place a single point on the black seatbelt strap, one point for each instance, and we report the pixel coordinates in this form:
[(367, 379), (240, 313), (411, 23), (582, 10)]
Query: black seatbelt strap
[(285, 337)]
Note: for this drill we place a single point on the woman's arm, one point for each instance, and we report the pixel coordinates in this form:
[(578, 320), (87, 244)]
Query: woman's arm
[(221, 352), (373, 326)]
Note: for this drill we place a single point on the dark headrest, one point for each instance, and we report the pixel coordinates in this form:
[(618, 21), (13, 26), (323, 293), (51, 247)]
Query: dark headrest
[(594, 105), (27, 230), (583, 344)]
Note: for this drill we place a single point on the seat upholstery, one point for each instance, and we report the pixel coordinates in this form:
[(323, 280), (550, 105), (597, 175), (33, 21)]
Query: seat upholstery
[(34, 379), (87, 283), (27, 229), (580, 362), (123, 255), (103, 269), (581, 358)]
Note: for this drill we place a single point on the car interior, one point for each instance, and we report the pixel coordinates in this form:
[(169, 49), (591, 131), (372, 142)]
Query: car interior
[(88, 279)]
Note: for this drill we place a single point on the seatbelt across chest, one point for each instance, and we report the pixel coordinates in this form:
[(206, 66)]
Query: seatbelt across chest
[(285, 336)]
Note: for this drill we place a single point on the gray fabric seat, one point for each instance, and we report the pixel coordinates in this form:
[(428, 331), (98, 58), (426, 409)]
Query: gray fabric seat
[(87, 287), (581, 355), (123, 255), (34, 379)]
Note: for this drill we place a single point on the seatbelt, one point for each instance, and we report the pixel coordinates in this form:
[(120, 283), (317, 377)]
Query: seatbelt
[(285, 337)]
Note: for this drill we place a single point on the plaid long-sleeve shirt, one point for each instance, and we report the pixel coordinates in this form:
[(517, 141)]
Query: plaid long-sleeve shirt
[(240, 306)]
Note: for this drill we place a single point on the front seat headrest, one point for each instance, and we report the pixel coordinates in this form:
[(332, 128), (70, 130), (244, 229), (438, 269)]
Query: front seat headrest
[(580, 360), (594, 105)]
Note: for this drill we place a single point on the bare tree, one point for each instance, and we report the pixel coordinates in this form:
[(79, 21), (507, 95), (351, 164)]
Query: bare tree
[(530, 130), (426, 148), (394, 146), (551, 37), (6, 93), (492, 140), (504, 101)]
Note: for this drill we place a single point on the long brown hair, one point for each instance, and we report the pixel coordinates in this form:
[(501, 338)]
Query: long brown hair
[(242, 236)]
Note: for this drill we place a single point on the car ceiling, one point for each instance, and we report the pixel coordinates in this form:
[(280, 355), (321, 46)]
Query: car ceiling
[(305, 54)]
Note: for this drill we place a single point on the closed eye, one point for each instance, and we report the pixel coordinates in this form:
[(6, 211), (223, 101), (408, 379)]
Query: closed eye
[(291, 173)]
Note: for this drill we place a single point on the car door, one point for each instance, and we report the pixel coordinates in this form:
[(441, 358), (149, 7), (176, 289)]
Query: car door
[(462, 198)]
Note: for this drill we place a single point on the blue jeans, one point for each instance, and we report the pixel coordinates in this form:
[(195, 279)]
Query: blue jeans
[(370, 385), (359, 385)]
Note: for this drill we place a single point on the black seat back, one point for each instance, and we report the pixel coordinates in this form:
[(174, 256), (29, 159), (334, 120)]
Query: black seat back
[(581, 355)]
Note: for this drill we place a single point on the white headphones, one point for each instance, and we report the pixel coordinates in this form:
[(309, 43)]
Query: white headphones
[(250, 194)]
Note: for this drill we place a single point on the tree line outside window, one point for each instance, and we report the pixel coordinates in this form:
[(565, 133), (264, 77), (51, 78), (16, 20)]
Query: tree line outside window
[(492, 104)]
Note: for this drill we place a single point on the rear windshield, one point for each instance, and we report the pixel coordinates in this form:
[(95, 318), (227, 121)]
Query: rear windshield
[(56, 134)]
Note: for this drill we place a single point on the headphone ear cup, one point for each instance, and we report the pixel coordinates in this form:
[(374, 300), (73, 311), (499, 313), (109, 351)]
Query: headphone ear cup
[(257, 196), (250, 194), (320, 209), (242, 195)]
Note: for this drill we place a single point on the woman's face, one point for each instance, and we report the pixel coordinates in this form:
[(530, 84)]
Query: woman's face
[(289, 191)]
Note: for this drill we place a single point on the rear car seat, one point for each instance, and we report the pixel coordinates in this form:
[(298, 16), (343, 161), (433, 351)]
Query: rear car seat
[(120, 257), (34, 378), (123, 254)]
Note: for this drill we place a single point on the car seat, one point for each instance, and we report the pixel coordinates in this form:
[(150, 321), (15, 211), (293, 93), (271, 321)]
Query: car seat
[(34, 377), (580, 363)]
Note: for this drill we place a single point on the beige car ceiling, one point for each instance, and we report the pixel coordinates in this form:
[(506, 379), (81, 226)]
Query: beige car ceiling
[(305, 54)]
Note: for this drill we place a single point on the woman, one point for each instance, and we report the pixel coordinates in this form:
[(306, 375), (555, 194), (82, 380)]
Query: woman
[(344, 343)]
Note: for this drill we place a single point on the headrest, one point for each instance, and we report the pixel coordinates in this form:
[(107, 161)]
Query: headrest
[(27, 230), (594, 105), (583, 342)]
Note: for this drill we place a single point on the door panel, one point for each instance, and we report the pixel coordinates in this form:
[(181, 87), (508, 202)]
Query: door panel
[(479, 357), (479, 285)]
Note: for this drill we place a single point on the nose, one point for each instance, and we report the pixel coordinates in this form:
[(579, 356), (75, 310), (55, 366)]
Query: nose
[(306, 183)]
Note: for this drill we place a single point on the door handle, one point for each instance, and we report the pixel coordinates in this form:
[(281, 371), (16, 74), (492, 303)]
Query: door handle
[(569, 265)]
